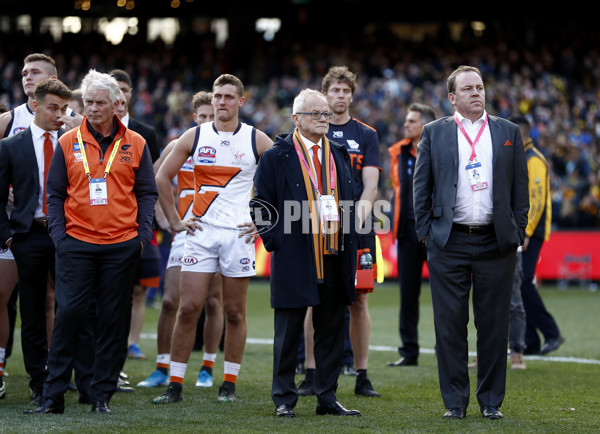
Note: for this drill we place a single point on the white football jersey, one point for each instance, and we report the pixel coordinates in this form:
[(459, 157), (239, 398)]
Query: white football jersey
[(224, 166)]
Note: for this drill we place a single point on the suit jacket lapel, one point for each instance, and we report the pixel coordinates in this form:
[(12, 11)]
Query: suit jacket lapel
[(497, 141), (29, 154), (453, 139)]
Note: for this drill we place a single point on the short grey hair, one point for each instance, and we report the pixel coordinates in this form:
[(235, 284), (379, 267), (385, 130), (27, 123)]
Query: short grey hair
[(300, 100), (99, 80)]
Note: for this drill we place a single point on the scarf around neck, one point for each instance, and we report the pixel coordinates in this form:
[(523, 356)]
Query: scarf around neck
[(325, 235)]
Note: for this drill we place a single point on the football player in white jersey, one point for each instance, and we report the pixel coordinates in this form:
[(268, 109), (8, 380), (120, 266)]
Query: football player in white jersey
[(203, 112), (220, 235)]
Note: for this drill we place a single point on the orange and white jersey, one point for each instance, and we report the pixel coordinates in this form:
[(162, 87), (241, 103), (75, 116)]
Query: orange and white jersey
[(224, 166), (185, 189)]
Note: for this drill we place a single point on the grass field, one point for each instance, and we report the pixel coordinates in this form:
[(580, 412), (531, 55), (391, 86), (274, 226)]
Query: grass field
[(557, 393)]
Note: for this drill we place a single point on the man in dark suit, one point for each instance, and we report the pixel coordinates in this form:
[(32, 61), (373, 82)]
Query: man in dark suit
[(313, 259), (24, 162), (471, 202), (412, 254)]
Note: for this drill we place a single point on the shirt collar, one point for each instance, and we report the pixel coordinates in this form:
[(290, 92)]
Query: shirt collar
[(99, 137), (309, 144), (462, 119), (38, 133)]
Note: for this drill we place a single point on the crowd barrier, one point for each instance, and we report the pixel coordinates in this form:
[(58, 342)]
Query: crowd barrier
[(567, 257)]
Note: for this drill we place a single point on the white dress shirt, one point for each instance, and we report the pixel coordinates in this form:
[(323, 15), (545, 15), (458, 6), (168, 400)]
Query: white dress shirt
[(309, 146), (37, 135), (474, 207)]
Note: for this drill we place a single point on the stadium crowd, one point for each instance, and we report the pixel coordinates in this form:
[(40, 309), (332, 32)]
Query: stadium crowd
[(549, 75)]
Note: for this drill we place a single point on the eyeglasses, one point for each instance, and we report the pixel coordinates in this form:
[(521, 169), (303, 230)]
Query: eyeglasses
[(315, 115)]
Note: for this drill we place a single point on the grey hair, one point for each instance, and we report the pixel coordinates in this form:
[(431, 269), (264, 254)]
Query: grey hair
[(99, 80), (300, 100)]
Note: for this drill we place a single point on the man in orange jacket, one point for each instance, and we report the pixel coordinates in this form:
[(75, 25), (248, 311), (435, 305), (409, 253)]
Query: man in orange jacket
[(101, 197)]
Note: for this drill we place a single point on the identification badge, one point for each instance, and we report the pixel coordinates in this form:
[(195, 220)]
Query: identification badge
[(98, 192), (476, 176), (329, 211)]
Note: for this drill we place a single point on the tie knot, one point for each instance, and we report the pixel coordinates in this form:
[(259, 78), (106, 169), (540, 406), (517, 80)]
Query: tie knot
[(47, 135)]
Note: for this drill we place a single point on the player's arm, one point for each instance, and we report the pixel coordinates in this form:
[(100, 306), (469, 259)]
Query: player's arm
[(263, 142), (158, 212), (5, 119), (167, 171), (248, 229), (370, 179)]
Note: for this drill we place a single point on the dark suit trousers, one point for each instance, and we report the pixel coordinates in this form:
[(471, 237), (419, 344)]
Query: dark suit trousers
[(536, 315), (328, 322), (471, 260), (412, 254), (88, 273), (34, 255)]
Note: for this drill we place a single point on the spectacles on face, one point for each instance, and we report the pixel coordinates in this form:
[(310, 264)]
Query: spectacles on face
[(315, 115)]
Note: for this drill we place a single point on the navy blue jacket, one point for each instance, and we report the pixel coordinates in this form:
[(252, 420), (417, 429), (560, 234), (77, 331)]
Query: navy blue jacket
[(279, 186)]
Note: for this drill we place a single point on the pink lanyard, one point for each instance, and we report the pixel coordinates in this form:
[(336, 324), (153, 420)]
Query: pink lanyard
[(310, 171), (471, 143)]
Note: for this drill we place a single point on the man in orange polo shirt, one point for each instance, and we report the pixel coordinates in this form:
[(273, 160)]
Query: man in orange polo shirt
[(101, 197)]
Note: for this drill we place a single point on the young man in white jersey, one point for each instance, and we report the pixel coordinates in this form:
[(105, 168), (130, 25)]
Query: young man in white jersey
[(203, 112), (36, 68), (225, 155)]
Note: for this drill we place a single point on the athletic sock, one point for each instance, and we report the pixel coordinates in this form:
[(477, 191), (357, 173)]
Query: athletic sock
[(162, 363), (231, 372), (361, 375), (209, 362), (177, 372), (310, 375)]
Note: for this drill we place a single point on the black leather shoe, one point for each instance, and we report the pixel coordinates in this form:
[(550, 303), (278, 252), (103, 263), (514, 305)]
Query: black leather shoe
[(455, 413), (285, 410), (47, 407), (403, 361), (306, 388), (36, 399), (552, 345), (101, 407), (336, 409), (491, 413)]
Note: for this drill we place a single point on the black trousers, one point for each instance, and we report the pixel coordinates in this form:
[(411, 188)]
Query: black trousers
[(328, 322), (537, 317), (91, 273), (34, 255), (412, 254), (471, 260)]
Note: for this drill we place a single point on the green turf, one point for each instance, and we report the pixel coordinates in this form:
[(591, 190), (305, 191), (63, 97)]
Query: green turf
[(558, 393)]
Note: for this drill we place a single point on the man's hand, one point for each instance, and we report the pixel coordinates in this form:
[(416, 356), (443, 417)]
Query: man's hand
[(250, 232), (71, 122), (189, 225)]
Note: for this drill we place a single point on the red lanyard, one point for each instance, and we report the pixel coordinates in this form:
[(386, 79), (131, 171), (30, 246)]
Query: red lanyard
[(471, 142)]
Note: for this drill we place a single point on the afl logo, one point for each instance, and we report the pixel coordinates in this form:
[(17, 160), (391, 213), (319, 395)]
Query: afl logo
[(207, 155), (245, 261), (190, 260)]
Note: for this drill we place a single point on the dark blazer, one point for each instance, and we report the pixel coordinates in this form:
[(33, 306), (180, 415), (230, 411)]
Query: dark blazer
[(436, 177), (279, 184), (18, 167), (148, 133)]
